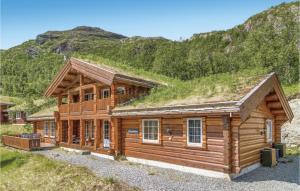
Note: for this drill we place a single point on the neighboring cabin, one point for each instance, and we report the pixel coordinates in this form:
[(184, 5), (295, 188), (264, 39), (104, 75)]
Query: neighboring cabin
[(4, 106), (215, 138)]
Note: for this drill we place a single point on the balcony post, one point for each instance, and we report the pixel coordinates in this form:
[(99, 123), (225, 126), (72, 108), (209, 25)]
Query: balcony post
[(81, 81), (113, 95), (95, 97), (82, 139), (69, 102), (70, 132), (96, 134)]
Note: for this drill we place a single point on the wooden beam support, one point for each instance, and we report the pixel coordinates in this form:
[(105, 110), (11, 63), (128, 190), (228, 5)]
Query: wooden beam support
[(82, 138), (70, 131), (277, 111), (272, 97), (274, 105), (97, 133)]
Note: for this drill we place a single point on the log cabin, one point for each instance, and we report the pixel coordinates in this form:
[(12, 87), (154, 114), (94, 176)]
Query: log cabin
[(221, 138), (4, 108)]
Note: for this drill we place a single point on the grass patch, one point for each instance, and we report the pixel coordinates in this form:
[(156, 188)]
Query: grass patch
[(293, 151), (292, 89), (26, 171), (9, 129)]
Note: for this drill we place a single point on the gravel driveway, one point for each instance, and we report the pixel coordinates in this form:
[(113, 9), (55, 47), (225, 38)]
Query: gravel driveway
[(284, 177)]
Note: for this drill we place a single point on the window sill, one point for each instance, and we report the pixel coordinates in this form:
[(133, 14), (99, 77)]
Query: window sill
[(52, 136), (151, 142), (196, 147)]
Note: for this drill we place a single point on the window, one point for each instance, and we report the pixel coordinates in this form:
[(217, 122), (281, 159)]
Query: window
[(46, 128), (120, 90), (18, 115), (64, 100), (106, 142), (269, 129), (150, 131), (88, 96), (89, 129), (194, 132), (105, 93), (52, 128)]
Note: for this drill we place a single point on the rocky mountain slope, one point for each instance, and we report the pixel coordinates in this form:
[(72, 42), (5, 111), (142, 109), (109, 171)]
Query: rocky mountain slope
[(267, 41), (291, 131)]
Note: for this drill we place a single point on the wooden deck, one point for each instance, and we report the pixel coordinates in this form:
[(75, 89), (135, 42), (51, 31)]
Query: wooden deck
[(28, 144)]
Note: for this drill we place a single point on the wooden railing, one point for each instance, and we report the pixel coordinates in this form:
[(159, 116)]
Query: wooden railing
[(27, 144), (74, 107), (64, 108), (87, 105), (103, 103), (123, 98)]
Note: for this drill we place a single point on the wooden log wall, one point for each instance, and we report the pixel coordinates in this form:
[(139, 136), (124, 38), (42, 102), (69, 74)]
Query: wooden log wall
[(253, 135), (173, 148)]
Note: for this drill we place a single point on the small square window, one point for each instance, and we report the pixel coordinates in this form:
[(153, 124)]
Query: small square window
[(105, 93), (121, 90), (88, 96), (150, 131)]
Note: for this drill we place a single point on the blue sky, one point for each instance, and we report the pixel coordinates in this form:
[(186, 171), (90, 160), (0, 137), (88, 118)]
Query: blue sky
[(22, 20)]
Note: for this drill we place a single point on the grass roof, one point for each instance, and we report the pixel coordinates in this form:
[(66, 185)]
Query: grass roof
[(213, 88), (24, 105), (44, 112), (9, 99)]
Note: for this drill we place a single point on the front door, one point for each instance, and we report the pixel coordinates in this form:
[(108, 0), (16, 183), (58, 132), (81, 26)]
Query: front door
[(106, 141)]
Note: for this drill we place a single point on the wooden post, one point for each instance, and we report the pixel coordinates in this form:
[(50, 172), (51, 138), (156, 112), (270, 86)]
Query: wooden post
[(70, 131), (69, 101), (96, 134), (58, 133), (59, 100), (227, 144), (81, 81), (113, 96), (82, 139), (95, 89), (115, 127)]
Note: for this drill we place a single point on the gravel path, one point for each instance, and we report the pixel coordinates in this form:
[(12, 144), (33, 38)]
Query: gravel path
[(284, 177)]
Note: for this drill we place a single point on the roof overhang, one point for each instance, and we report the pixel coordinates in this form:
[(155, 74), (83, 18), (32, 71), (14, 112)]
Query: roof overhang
[(218, 107), (251, 100)]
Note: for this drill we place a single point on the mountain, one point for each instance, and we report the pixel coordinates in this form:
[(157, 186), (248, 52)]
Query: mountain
[(268, 40)]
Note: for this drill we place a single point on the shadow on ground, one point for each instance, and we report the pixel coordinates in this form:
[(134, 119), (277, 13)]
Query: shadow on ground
[(283, 172)]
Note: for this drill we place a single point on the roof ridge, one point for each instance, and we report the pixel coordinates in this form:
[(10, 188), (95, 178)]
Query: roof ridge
[(105, 67)]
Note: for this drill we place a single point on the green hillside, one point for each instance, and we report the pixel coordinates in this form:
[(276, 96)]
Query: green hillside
[(267, 40)]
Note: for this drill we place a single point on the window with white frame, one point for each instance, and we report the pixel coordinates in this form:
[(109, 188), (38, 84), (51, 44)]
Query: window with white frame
[(121, 90), (194, 132), (18, 115), (150, 130), (105, 93), (105, 129), (88, 96), (52, 128), (46, 128), (89, 129), (269, 130)]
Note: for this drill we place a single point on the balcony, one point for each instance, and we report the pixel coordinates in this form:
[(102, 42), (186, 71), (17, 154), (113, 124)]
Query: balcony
[(103, 103), (87, 106), (64, 108), (74, 107)]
